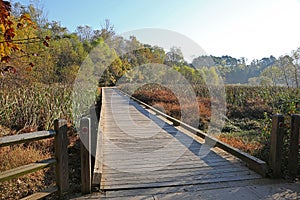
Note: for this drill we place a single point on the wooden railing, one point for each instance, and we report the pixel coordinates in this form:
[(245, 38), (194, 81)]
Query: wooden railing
[(89, 135), (277, 145), (85, 155), (60, 160)]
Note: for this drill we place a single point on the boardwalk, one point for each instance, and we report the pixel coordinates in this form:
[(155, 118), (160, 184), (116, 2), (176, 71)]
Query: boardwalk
[(140, 151), (143, 156)]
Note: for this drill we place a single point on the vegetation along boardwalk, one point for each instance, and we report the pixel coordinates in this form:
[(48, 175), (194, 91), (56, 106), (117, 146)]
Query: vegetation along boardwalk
[(141, 155)]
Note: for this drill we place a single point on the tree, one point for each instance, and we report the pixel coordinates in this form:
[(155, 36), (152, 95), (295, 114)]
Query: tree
[(296, 66), (57, 31), (174, 57), (107, 30), (16, 33), (272, 75), (85, 33), (285, 63)]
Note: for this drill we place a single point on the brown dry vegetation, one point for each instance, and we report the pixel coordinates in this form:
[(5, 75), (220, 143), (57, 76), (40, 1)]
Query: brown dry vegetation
[(18, 155), (251, 147)]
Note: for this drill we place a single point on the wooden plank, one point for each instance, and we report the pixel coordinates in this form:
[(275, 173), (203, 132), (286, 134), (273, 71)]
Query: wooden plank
[(26, 169), (172, 161), (164, 158), (169, 178), (94, 129), (61, 156), (147, 162), (186, 188), (85, 155), (174, 166), (25, 137), (294, 146), (172, 174), (42, 194), (211, 179), (98, 166), (276, 145)]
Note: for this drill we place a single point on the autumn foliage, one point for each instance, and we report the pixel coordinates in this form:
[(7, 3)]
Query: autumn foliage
[(10, 38)]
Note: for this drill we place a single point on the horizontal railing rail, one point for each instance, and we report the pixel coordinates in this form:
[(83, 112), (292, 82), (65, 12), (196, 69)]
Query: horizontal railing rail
[(26, 137), (60, 160)]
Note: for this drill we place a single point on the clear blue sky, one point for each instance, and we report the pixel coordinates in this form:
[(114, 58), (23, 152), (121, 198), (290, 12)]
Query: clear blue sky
[(240, 28)]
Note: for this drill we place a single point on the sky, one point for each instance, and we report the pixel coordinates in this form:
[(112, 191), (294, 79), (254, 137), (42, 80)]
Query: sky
[(240, 28)]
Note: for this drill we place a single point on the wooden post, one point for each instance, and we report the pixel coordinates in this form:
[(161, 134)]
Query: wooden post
[(294, 146), (276, 145), (94, 129), (61, 156), (85, 154)]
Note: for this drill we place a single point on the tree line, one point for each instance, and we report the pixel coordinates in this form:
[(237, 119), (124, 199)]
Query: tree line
[(34, 50)]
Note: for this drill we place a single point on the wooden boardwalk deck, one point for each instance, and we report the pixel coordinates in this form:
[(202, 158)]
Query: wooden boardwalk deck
[(141, 150)]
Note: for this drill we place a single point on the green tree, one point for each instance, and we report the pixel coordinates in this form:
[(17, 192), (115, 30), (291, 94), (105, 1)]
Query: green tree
[(296, 66), (274, 75), (174, 57), (285, 64)]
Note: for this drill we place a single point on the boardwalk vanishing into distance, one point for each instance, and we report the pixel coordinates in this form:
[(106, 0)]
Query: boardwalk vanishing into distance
[(141, 155)]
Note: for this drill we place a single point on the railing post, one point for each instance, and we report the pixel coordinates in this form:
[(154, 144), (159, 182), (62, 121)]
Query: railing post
[(276, 145), (94, 129), (294, 146), (61, 156), (85, 154)]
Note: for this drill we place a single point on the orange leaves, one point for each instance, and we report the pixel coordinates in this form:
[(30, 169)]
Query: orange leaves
[(10, 26), (25, 17), (31, 65), (7, 31), (47, 38), (9, 34), (5, 9), (45, 43), (5, 59)]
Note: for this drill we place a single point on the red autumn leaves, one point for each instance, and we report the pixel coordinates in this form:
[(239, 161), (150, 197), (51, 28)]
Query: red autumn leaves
[(8, 27)]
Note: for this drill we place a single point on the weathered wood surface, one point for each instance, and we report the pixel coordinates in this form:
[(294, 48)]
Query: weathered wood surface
[(25, 137), (140, 150), (294, 146), (236, 190), (85, 155), (41, 194), (26, 169), (61, 155), (276, 145), (253, 163)]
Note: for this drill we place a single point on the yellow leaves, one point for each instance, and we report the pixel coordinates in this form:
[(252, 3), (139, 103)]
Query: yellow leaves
[(14, 32), (4, 52), (25, 17), (25, 21), (2, 28)]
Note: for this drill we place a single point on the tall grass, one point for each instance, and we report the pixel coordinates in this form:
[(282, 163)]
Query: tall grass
[(39, 105)]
